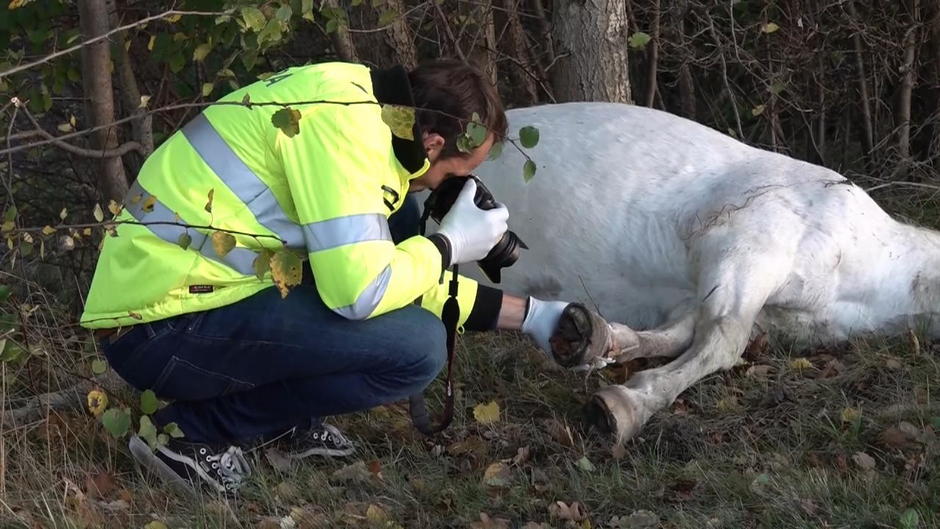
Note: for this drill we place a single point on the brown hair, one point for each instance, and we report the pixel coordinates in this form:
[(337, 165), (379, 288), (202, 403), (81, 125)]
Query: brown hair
[(446, 89)]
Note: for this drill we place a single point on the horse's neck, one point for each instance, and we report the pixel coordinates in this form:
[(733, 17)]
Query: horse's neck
[(900, 285)]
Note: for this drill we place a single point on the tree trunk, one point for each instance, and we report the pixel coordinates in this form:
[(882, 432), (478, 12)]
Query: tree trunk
[(96, 82), (400, 37), (342, 39), (483, 52), (653, 54), (523, 75), (868, 137), (907, 85), (142, 128), (593, 34)]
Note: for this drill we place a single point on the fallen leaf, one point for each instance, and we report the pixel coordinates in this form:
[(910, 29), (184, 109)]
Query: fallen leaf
[(641, 519), (156, 524), (574, 512), (522, 455), (497, 475), (585, 464), (850, 415), (278, 460), (560, 432), (354, 472), (758, 372), (97, 402), (864, 461), (487, 522), (99, 485), (486, 413), (800, 364)]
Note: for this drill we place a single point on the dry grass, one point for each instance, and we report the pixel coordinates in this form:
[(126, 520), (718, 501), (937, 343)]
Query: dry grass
[(766, 447)]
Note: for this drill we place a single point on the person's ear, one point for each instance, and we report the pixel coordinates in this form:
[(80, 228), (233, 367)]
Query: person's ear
[(433, 144)]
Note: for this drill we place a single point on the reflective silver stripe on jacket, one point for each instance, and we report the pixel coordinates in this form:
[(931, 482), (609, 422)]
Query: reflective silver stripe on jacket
[(369, 299), (341, 231), (240, 259)]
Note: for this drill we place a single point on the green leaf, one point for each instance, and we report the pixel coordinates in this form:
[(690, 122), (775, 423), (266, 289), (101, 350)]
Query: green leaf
[(769, 27), (11, 352), (528, 171), (99, 366), (495, 151), (4, 293), (271, 33), (156, 524), (253, 18), (149, 402), (387, 17), (147, 431), (222, 243), (529, 137), (306, 7), (288, 120), (10, 214), (116, 421), (262, 264), (285, 270), (284, 13), (909, 519), (173, 430), (201, 51), (476, 131), (463, 144), (638, 40), (185, 240), (98, 213), (210, 196), (356, 3), (400, 119), (585, 464)]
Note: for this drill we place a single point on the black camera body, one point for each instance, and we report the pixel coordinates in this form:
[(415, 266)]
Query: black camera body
[(506, 252)]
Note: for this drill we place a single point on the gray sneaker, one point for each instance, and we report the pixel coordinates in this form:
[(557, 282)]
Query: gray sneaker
[(189, 465)]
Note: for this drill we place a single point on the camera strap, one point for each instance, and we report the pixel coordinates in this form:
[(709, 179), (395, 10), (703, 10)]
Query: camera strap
[(450, 315)]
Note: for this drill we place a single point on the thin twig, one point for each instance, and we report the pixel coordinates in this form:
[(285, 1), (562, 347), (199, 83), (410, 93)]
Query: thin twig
[(110, 223), (80, 45), (120, 150)]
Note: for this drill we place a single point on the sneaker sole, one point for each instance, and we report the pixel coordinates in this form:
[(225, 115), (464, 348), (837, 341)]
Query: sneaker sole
[(328, 452)]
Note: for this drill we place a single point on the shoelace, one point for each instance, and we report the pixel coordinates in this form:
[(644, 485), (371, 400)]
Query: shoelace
[(338, 437), (232, 467)]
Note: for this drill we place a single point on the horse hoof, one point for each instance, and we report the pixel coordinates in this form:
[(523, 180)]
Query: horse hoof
[(614, 412), (581, 337)]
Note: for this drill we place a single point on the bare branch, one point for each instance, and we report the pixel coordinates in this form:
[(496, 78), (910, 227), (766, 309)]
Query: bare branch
[(88, 153), (79, 46)]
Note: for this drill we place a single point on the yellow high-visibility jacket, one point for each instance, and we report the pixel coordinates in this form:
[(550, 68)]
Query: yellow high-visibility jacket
[(326, 191)]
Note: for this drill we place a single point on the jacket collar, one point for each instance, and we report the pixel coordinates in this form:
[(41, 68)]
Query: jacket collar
[(392, 86)]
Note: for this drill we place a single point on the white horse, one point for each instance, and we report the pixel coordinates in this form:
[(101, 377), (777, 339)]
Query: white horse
[(668, 226)]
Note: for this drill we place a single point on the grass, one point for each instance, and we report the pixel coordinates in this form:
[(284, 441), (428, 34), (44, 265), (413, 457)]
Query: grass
[(840, 444)]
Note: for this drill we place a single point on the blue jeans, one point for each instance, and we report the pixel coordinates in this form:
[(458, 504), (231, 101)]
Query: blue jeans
[(263, 365)]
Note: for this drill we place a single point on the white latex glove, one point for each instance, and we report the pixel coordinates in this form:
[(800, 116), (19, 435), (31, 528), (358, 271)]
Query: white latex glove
[(541, 320), (472, 232)]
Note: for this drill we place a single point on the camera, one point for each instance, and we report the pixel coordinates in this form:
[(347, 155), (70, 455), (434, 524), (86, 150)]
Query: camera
[(505, 252)]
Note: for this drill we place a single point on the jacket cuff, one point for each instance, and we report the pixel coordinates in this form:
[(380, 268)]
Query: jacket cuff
[(443, 245), (485, 312)]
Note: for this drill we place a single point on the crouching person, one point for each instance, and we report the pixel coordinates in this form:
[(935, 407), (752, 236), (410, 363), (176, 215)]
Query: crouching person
[(240, 364)]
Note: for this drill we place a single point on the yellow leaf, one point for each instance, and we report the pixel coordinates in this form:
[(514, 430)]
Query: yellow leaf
[(222, 243), (7, 226), (174, 18), (400, 120), (153, 39), (800, 364), (285, 270), (207, 89), (147, 207), (99, 215), (86, 232), (143, 101), (48, 230), (758, 110), (201, 51), (64, 213), (97, 402), (65, 127), (497, 475), (769, 27), (156, 524), (114, 207), (376, 514), (486, 413), (850, 414)]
